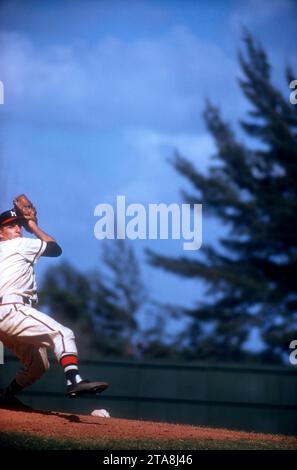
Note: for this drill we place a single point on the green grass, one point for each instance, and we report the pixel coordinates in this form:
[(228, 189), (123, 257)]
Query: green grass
[(21, 441)]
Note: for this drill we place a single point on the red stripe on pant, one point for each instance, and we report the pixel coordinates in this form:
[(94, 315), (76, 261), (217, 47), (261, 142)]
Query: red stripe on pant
[(68, 360)]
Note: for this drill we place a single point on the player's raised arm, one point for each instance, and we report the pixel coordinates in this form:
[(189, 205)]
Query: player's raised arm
[(38, 232), (52, 247)]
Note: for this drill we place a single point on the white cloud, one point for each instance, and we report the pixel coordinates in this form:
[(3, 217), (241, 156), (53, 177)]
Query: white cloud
[(113, 83), (151, 144), (148, 159)]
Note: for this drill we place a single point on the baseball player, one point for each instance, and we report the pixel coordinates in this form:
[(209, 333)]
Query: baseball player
[(23, 329)]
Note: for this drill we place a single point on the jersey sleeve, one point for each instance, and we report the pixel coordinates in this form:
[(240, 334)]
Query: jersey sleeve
[(32, 248)]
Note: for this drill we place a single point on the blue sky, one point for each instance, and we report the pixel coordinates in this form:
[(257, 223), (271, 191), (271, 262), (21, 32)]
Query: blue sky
[(99, 93)]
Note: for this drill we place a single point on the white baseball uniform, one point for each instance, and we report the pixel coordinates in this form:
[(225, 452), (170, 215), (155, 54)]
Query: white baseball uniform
[(23, 329)]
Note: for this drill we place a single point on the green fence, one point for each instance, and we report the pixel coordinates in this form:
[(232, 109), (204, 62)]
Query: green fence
[(236, 397)]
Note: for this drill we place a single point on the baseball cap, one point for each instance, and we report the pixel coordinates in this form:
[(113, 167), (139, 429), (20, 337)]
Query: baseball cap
[(9, 216)]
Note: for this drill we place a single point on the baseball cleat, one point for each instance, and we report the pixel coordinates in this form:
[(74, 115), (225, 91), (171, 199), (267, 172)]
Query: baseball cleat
[(85, 386), (10, 402)]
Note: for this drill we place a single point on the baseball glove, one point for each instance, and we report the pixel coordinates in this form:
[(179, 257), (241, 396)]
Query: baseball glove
[(25, 209)]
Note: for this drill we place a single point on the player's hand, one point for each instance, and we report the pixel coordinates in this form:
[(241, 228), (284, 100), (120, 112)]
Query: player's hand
[(30, 225)]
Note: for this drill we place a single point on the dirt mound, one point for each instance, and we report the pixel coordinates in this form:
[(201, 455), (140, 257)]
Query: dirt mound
[(64, 425)]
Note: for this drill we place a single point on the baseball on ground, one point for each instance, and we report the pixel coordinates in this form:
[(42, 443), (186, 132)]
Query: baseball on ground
[(101, 413)]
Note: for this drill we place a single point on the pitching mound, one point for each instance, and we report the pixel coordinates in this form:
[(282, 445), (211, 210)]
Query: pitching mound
[(81, 431)]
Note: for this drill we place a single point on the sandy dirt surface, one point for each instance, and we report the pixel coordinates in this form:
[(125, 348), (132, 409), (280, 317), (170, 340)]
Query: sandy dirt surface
[(70, 426)]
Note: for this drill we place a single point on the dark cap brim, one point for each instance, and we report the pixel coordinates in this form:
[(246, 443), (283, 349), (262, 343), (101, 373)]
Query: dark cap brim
[(11, 219)]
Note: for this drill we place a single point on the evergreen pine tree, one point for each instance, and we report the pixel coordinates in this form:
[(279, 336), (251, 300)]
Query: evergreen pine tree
[(118, 295), (251, 279)]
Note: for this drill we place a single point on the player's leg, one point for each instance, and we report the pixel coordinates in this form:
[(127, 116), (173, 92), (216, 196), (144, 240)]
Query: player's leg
[(31, 326), (34, 364)]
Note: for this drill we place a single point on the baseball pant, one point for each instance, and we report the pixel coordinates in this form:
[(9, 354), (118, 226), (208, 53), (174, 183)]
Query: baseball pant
[(28, 333)]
